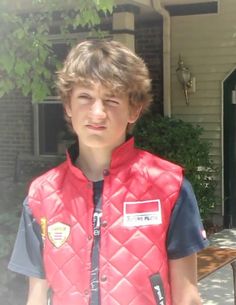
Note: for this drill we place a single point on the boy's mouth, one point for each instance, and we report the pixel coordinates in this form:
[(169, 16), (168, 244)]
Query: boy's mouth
[(95, 127)]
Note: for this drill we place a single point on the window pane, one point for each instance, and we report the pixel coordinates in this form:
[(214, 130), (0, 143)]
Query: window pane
[(52, 128)]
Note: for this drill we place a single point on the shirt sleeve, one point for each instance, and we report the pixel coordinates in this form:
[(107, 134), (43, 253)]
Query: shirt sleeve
[(186, 234), (26, 257)]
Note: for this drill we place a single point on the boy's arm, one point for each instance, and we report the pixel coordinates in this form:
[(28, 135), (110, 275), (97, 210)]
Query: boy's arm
[(38, 289), (183, 281)]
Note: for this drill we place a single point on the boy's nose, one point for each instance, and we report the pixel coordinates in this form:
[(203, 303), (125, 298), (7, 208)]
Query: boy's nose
[(98, 109)]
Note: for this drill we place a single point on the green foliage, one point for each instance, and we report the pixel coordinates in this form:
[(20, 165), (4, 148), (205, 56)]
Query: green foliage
[(27, 58), (181, 142)]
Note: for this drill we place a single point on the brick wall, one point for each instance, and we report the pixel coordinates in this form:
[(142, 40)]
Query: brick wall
[(148, 37), (15, 132)]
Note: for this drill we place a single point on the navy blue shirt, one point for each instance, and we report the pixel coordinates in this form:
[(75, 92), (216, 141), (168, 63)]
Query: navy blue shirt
[(185, 235)]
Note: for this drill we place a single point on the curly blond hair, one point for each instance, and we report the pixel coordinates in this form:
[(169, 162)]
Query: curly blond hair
[(111, 64)]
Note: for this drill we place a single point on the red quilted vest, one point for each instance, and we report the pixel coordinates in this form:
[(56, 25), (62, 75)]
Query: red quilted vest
[(139, 193)]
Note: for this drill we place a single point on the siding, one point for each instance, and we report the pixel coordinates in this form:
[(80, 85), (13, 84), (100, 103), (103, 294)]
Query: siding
[(208, 46)]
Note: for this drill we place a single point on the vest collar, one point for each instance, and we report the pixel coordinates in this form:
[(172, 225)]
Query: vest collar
[(123, 155), (121, 158)]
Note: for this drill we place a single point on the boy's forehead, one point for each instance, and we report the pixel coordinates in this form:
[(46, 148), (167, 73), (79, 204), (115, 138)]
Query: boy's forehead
[(98, 87)]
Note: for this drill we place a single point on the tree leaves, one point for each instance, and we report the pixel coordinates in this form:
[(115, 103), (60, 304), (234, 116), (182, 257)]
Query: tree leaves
[(7, 62), (105, 5), (26, 54), (21, 67)]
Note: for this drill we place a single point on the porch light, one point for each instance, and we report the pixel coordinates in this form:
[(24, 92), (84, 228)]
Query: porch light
[(185, 78)]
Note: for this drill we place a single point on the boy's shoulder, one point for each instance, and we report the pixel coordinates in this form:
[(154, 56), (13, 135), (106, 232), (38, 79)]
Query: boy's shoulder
[(51, 177), (156, 160)]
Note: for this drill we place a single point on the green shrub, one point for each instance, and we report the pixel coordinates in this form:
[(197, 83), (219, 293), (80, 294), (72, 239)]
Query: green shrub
[(181, 142)]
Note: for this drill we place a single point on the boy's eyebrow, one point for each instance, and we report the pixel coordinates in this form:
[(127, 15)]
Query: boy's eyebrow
[(111, 95), (84, 91), (84, 88), (90, 92)]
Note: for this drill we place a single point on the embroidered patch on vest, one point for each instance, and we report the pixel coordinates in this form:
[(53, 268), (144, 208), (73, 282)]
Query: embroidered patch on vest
[(58, 233), (43, 225), (142, 213)]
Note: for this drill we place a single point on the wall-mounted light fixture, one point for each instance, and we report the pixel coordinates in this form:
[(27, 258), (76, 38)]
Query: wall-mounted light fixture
[(185, 78)]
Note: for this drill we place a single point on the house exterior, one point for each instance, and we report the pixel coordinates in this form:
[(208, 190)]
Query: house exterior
[(207, 43), (204, 34)]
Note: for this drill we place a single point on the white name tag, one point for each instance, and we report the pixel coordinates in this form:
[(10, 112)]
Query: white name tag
[(142, 213)]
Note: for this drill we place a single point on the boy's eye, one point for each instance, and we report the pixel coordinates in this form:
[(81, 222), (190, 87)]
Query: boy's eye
[(112, 102), (84, 97)]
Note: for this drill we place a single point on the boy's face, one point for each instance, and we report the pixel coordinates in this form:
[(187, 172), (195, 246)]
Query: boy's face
[(98, 117)]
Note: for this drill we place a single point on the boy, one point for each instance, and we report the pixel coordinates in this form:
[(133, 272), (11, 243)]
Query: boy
[(112, 225)]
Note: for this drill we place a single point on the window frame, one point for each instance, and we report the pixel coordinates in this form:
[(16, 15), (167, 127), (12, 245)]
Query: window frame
[(49, 100)]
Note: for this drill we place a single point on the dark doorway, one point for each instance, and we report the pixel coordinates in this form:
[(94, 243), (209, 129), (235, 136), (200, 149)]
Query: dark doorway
[(230, 150)]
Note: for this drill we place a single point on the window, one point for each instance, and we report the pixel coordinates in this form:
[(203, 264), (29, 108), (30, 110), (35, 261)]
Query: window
[(51, 135), (51, 131)]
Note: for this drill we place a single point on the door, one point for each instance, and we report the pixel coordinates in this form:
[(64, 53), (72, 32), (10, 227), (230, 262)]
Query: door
[(230, 151)]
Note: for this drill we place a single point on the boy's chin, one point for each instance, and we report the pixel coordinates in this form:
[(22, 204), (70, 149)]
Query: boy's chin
[(98, 142)]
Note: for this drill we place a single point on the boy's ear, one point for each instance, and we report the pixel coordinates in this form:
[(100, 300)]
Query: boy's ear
[(67, 108), (135, 113)]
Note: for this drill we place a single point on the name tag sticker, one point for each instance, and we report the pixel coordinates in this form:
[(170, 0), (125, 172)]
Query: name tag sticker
[(142, 213)]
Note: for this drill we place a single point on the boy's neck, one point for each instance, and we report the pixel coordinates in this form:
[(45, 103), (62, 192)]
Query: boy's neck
[(93, 162)]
